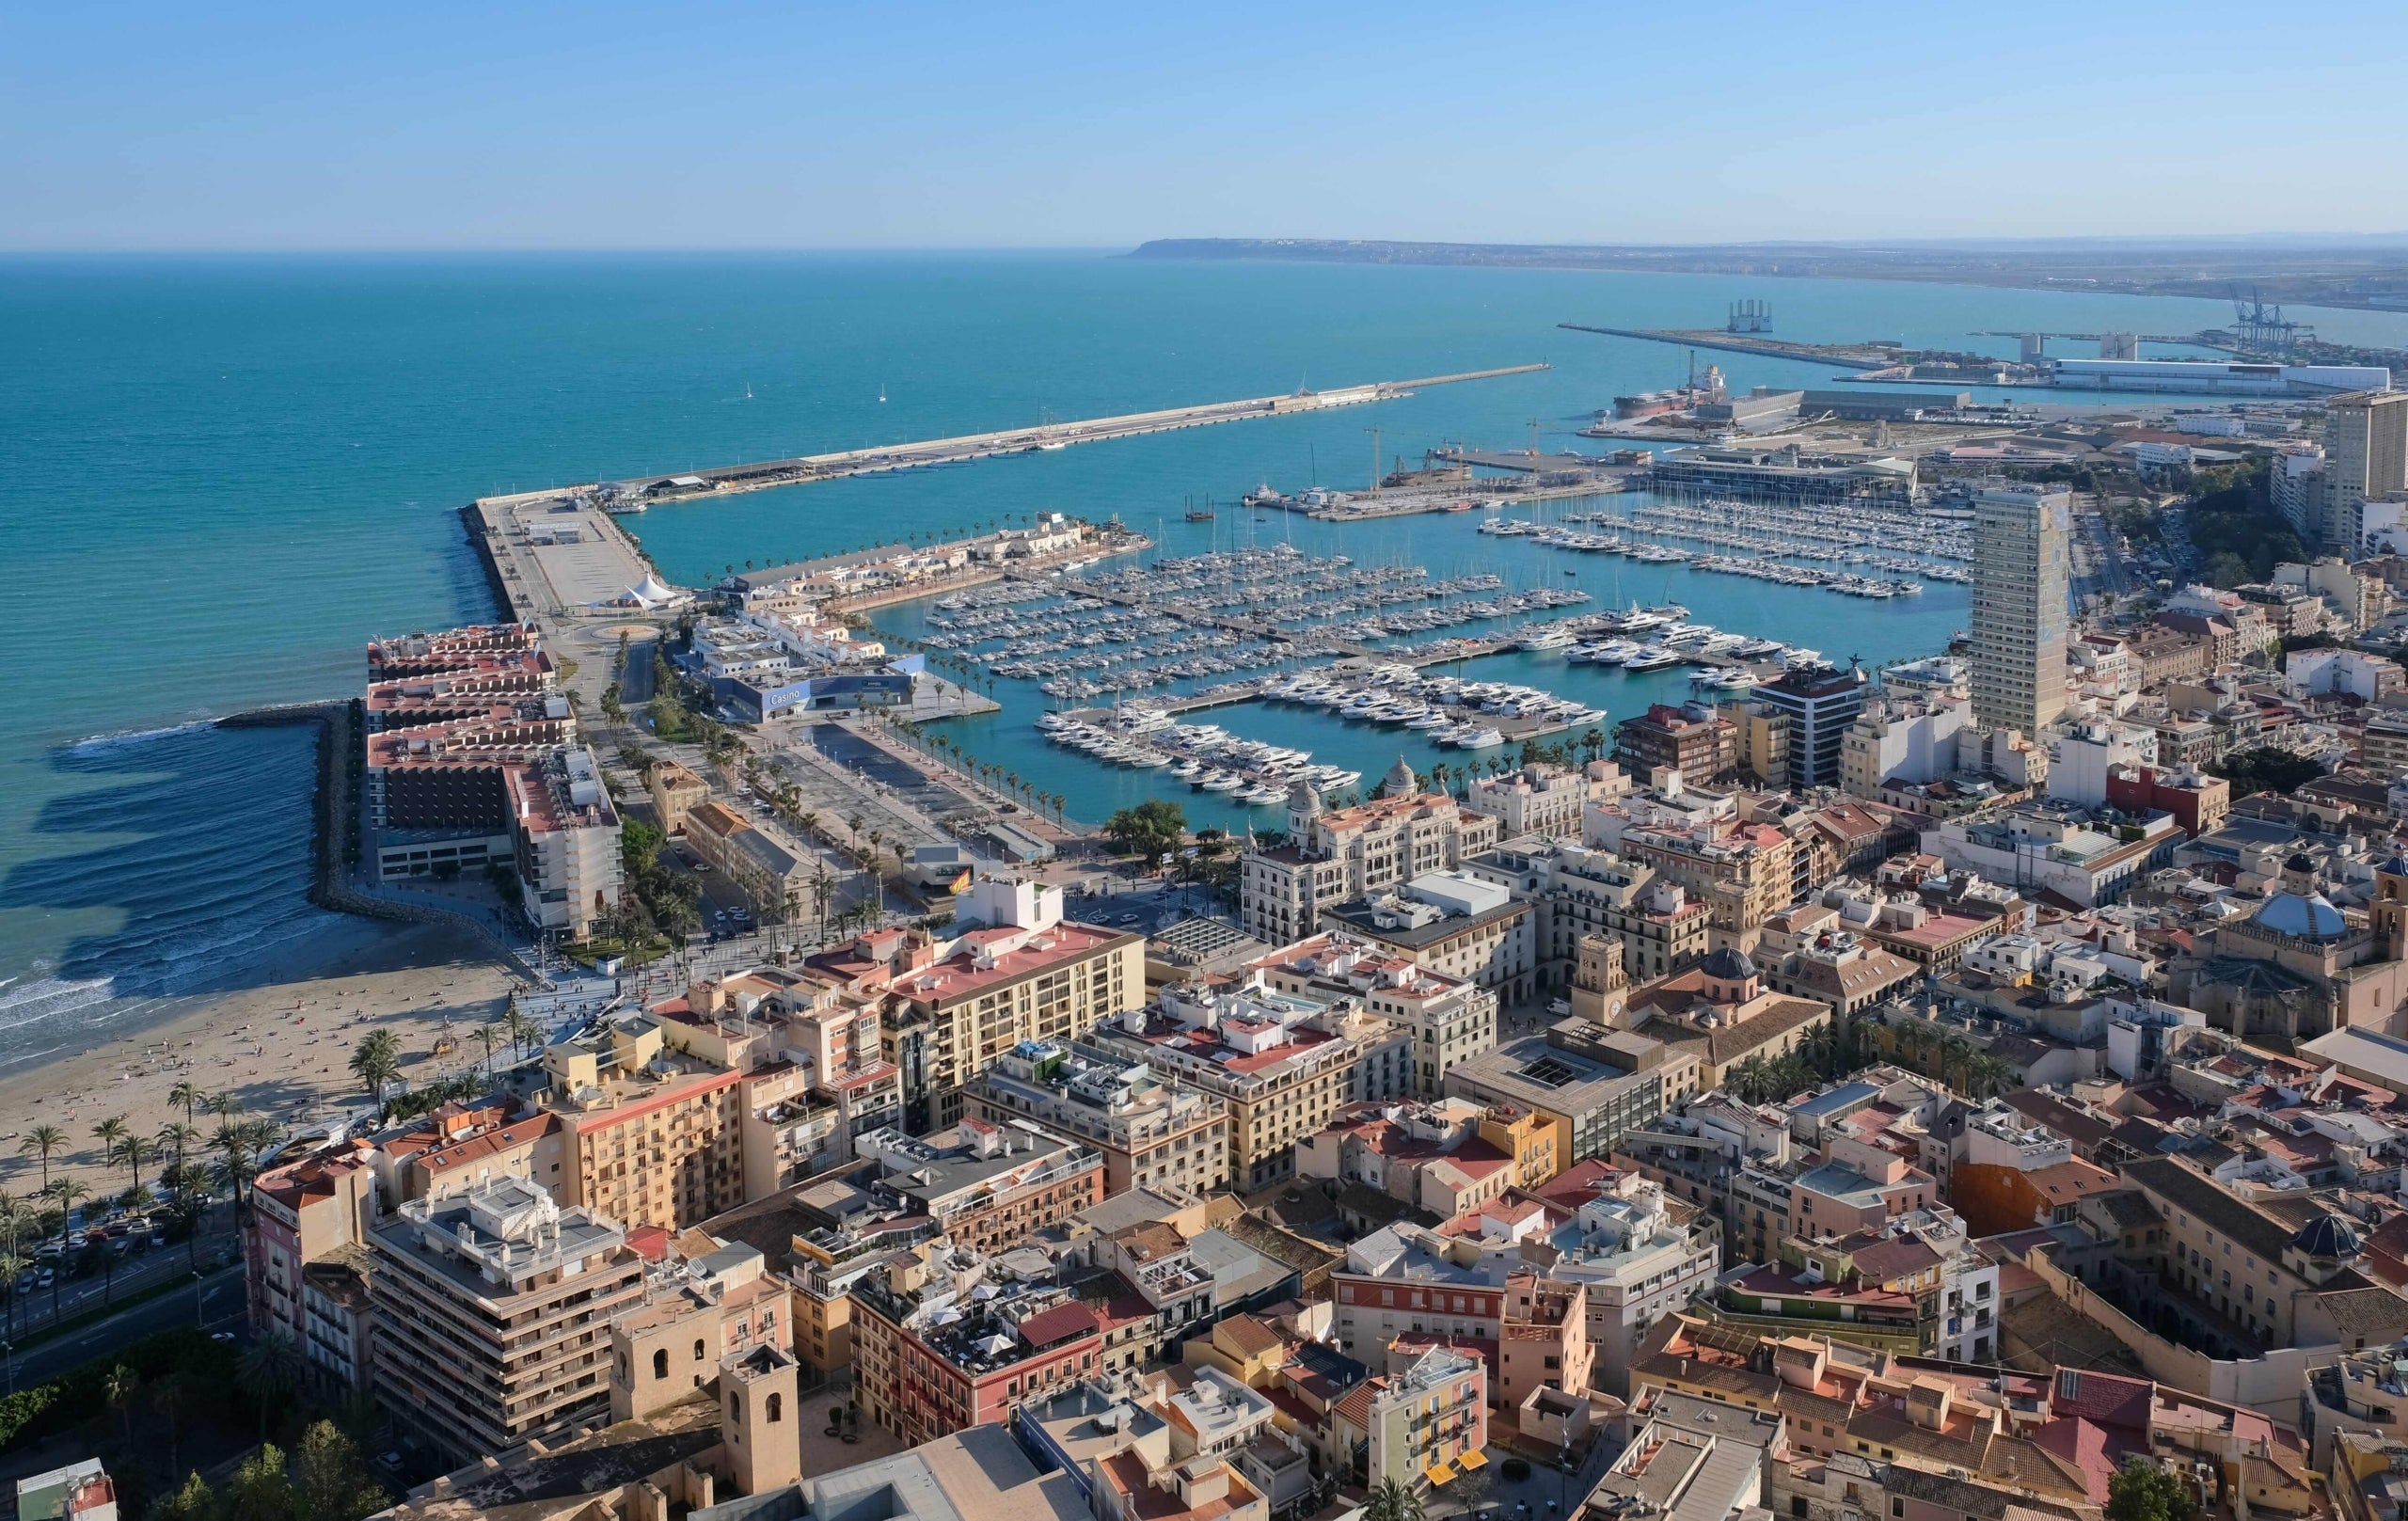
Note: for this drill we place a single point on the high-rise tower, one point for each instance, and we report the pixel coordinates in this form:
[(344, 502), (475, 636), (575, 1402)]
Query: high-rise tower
[(2020, 612)]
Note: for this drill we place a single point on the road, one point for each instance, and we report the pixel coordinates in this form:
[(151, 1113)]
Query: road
[(214, 1302)]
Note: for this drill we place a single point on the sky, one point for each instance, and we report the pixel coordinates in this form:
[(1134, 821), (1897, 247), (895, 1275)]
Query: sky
[(242, 126)]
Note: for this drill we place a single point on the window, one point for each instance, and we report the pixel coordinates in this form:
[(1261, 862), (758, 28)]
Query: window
[(698, 1349), (776, 1408), (660, 1363)]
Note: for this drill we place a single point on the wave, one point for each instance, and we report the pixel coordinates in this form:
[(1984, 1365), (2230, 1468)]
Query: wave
[(46, 998), (120, 739)]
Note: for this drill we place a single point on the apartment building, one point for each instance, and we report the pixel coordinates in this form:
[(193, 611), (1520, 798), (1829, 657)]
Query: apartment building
[(773, 882), (2366, 455), (1283, 1062), (1822, 705), (1026, 975), (1544, 800), (933, 1356), (1450, 1018), (2019, 609), (986, 1187), (1151, 1134), (1575, 890), (1342, 855), (675, 791), (493, 1310), (649, 1137), (1693, 741), (1426, 1424), (1454, 925), (1744, 872), (302, 1213)]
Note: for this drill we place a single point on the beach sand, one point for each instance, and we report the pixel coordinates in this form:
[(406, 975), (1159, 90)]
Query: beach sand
[(279, 1040)]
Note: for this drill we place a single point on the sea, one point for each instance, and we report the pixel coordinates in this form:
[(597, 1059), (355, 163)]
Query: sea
[(225, 474)]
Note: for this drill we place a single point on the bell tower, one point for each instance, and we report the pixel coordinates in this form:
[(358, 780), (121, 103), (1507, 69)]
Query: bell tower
[(760, 1429), (2387, 913), (1598, 981)]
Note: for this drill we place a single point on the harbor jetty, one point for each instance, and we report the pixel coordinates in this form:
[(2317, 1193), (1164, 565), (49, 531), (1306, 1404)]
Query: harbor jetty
[(637, 493), (1846, 356)]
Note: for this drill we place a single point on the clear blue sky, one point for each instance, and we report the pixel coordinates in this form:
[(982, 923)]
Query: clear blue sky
[(174, 125)]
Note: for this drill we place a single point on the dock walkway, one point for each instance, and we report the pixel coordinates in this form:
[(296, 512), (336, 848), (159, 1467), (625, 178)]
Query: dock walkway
[(803, 469)]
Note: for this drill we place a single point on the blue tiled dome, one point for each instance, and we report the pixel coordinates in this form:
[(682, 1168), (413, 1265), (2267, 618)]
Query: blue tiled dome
[(2313, 917), (2328, 1235), (1728, 965)]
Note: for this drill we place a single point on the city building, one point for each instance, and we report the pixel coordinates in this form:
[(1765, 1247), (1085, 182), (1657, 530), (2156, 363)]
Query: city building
[(1696, 742), (1026, 974), (303, 1213), (986, 1187), (933, 1356), (1424, 1425), (650, 1135), (1596, 1082), (2366, 455), (1282, 1061), (1719, 1014), (1452, 1017), (773, 882), (696, 1313), (1457, 924), (1544, 800), (1347, 854), (2054, 848), (77, 1492), (1575, 892), (1906, 737), (1152, 1133), (2019, 609), (493, 1308), (674, 790), (1822, 705)]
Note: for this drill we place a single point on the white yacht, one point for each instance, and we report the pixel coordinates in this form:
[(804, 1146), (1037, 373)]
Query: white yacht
[(1481, 738)]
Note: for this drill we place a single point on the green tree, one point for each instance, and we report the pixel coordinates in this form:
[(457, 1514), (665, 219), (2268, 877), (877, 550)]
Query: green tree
[(2141, 1490), (133, 1151), (261, 1490), (335, 1483), (1151, 829), (186, 1093), (195, 1501)]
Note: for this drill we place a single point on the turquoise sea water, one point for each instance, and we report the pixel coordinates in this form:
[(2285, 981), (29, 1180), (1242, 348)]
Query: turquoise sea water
[(224, 475)]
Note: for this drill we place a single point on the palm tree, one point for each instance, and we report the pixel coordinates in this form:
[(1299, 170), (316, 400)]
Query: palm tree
[(178, 1136), (66, 1193), (1392, 1501), (10, 1266), (223, 1105), (376, 1061), (520, 1028), (188, 1208), (269, 1369), (487, 1034), (44, 1141), (186, 1093), (134, 1151)]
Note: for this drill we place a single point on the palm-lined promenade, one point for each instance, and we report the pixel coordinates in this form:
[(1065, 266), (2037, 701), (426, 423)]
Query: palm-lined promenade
[(177, 1114)]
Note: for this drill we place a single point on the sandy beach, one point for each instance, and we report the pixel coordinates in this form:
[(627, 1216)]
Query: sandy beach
[(279, 1040)]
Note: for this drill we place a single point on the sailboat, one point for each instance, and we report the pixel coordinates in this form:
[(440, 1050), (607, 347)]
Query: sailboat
[(881, 393)]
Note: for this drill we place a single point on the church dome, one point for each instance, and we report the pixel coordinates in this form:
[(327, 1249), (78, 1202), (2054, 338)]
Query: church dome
[(1400, 780), (2312, 916), (2299, 862), (2396, 866), (2328, 1235), (1728, 965)]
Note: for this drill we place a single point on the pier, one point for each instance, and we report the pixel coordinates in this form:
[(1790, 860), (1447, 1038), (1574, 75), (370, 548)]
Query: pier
[(635, 493), (1846, 355)]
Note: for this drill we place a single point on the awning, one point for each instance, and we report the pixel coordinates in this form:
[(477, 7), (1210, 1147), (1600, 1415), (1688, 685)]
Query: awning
[(1473, 1459), (1438, 1473)]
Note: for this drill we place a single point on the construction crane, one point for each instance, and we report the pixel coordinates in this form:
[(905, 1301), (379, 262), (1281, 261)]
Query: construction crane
[(2260, 327)]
